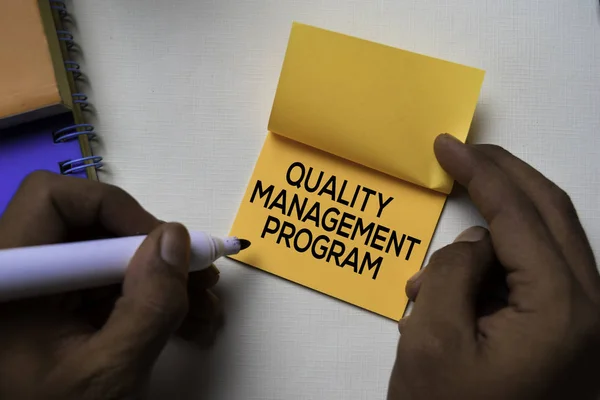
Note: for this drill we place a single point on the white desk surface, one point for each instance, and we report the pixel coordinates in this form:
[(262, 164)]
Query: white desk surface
[(183, 91)]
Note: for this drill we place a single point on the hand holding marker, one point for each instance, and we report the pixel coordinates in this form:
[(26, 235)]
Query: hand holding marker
[(48, 269)]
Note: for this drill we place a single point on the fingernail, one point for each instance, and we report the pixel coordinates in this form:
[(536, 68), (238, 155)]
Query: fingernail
[(473, 234), (414, 285), (175, 245), (416, 276), (446, 139), (449, 137), (402, 324), (215, 270)]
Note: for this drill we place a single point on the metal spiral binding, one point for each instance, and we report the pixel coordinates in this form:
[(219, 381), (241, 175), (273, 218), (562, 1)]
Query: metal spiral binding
[(72, 132), (81, 99), (60, 6), (78, 165), (74, 68), (67, 37)]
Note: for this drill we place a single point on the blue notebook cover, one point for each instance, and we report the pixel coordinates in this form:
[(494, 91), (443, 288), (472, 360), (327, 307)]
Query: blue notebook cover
[(49, 144)]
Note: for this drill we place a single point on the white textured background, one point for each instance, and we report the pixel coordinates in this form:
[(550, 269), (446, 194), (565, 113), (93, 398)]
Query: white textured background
[(183, 91)]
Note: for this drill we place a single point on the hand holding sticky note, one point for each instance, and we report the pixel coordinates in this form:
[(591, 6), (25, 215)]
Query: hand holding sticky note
[(347, 192)]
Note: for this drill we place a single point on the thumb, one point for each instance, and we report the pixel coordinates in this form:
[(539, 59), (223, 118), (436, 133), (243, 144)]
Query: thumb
[(449, 285), (154, 298)]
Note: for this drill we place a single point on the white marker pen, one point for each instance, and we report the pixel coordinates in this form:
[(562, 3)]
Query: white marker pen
[(49, 269)]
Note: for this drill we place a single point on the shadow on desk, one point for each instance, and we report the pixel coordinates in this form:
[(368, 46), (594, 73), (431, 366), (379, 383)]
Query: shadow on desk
[(186, 371)]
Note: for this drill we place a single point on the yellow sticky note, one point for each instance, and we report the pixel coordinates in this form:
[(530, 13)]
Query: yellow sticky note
[(346, 194), (375, 105)]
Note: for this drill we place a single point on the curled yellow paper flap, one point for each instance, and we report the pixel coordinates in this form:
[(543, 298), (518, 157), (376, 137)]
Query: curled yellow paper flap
[(372, 104)]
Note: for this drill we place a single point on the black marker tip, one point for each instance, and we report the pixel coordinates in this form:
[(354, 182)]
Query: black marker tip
[(244, 244)]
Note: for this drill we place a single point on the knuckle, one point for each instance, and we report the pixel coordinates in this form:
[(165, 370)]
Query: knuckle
[(112, 191), (169, 309), (39, 182), (430, 347), (561, 200)]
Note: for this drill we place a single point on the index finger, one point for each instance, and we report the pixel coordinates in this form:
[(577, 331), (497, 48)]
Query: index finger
[(47, 207), (522, 242)]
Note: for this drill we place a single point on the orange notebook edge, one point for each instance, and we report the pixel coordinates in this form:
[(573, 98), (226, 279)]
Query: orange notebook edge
[(31, 88)]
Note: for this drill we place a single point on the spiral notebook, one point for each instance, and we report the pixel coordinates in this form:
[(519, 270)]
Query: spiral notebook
[(42, 124)]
